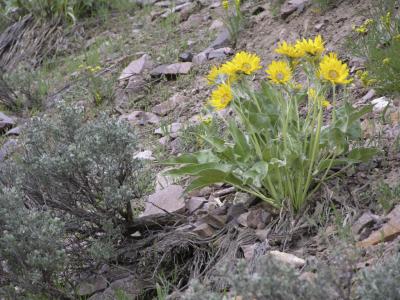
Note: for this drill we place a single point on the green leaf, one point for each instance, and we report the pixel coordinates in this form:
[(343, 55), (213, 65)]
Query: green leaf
[(362, 154), (195, 169)]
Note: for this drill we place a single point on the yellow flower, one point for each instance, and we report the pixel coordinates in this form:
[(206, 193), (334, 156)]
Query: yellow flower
[(289, 50), (244, 62), (386, 61), (206, 120), (325, 103), (213, 75), (387, 19), (279, 72), (225, 4), (221, 97), (312, 94), (229, 71), (312, 47), (397, 38), (333, 70)]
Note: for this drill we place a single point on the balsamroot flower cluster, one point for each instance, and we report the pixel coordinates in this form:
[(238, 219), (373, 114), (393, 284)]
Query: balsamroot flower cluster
[(305, 53)]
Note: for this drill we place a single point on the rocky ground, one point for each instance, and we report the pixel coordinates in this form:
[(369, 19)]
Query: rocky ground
[(157, 59)]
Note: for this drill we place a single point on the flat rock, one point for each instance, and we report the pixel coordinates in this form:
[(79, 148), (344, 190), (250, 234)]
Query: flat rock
[(249, 250), (186, 57), (216, 24), (91, 286), (130, 286), (220, 53), (136, 67), (14, 131), (140, 118), (168, 200), (291, 6), (215, 221), (173, 70), (380, 104), (242, 219), (287, 258), (195, 203), (223, 39), (204, 230), (366, 219), (258, 218), (5, 121), (368, 96), (244, 198), (136, 84), (165, 107), (389, 231)]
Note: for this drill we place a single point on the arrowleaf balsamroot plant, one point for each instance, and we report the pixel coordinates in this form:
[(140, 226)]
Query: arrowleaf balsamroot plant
[(233, 17), (284, 137)]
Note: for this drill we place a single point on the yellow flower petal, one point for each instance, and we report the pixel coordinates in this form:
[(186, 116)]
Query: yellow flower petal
[(279, 72), (312, 47), (221, 97), (333, 70)]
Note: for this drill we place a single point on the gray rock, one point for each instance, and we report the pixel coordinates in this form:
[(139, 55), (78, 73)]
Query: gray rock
[(5, 121), (186, 57), (131, 286), (368, 96), (165, 107), (162, 181), (136, 67), (220, 53), (216, 24), (91, 286), (172, 71), (291, 6), (136, 84), (367, 219), (140, 118), (15, 131), (287, 258), (195, 203), (168, 200), (223, 39)]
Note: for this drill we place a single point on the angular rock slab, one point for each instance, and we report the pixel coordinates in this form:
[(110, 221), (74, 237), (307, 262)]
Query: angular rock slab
[(172, 71), (136, 67), (291, 6), (287, 258), (389, 231), (168, 200)]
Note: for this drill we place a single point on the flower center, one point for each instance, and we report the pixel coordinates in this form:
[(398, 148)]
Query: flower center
[(280, 76), (225, 99), (246, 67), (333, 74)]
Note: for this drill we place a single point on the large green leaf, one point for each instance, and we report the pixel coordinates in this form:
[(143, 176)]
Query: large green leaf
[(362, 154), (195, 169), (211, 176)]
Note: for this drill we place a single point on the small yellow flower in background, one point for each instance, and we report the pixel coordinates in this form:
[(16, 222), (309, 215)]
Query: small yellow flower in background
[(298, 87), (364, 27), (206, 120), (245, 62), (237, 3), (397, 38), (325, 103), (279, 72), (312, 94), (386, 61), (312, 47), (387, 19), (221, 97), (225, 4), (289, 50), (333, 70)]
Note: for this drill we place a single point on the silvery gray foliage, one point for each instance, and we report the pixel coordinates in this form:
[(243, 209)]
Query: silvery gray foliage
[(31, 246), (84, 168), (65, 197), (381, 281)]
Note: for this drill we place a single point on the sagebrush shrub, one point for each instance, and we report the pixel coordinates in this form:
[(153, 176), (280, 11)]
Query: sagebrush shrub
[(77, 184)]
